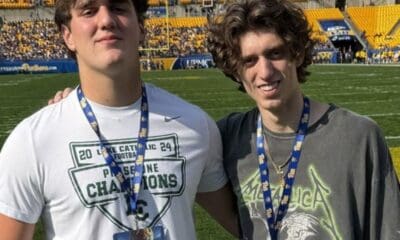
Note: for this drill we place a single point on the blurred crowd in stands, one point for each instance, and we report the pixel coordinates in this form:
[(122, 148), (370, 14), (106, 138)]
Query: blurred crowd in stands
[(27, 40), (182, 41), (39, 39)]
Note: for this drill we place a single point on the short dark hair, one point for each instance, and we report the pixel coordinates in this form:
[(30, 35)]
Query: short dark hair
[(280, 16), (62, 15)]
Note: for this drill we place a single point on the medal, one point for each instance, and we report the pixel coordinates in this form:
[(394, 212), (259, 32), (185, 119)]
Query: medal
[(156, 233)]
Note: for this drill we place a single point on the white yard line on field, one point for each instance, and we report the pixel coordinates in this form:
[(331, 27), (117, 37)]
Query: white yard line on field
[(392, 137), (369, 101), (382, 114)]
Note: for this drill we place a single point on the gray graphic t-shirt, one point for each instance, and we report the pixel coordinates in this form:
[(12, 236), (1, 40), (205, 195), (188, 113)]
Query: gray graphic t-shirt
[(345, 185)]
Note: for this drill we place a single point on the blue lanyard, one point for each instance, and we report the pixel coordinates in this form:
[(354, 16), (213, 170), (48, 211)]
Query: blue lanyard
[(275, 224), (130, 185)]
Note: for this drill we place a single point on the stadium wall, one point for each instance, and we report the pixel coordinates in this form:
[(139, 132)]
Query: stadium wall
[(52, 66), (195, 61), (69, 65)]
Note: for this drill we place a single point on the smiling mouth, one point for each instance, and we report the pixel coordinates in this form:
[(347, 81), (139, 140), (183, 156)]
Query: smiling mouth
[(269, 86)]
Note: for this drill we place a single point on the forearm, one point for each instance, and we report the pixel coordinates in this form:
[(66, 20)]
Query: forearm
[(11, 229), (221, 206)]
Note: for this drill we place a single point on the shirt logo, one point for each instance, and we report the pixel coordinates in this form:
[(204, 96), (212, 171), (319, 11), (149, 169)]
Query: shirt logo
[(169, 119), (163, 178)]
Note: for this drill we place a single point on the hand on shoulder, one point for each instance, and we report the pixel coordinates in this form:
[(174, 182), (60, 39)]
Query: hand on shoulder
[(59, 96)]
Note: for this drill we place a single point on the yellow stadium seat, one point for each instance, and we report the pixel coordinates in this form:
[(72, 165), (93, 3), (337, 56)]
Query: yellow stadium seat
[(377, 22), (314, 15)]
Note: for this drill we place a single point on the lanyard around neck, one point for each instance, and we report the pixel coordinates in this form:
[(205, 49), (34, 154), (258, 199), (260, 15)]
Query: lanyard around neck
[(129, 185), (275, 224)]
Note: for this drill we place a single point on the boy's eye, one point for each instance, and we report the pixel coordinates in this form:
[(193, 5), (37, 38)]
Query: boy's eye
[(276, 54), (87, 12), (117, 8), (248, 62)]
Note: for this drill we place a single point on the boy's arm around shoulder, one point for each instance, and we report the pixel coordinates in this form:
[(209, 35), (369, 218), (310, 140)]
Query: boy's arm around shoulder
[(220, 204), (59, 95)]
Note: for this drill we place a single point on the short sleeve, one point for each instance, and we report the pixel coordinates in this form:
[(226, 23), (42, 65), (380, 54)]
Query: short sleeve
[(20, 194), (214, 176), (384, 213)]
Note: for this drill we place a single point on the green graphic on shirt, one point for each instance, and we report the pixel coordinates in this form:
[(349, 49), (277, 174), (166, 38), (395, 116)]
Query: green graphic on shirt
[(313, 199), (163, 178)]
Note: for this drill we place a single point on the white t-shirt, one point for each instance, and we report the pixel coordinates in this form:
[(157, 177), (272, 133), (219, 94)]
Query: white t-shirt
[(51, 166)]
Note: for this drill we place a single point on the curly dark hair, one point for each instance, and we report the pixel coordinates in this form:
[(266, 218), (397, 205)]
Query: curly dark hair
[(280, 16), (62, 15)]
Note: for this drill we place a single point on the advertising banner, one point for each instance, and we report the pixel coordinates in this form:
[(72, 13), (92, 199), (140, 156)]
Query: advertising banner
[(51, 66)]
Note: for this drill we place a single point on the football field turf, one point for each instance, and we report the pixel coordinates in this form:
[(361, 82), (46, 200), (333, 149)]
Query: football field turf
[(369, 90)]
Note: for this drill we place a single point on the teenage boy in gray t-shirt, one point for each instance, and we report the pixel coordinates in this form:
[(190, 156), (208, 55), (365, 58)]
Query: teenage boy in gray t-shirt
[(300, 169)]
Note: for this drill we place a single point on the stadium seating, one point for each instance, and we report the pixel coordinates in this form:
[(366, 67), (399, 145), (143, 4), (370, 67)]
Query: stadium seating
[(313, 15), (157, 2), (177, 36), (31, 40), (185, 2), (185, 34), (377, 22), (16, 4), (49, 3)]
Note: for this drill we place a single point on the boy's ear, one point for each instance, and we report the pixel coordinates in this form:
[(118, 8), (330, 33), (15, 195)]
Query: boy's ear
[(68, 39)]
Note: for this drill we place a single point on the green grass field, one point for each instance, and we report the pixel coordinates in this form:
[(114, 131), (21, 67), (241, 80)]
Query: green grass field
[(368, 90)]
